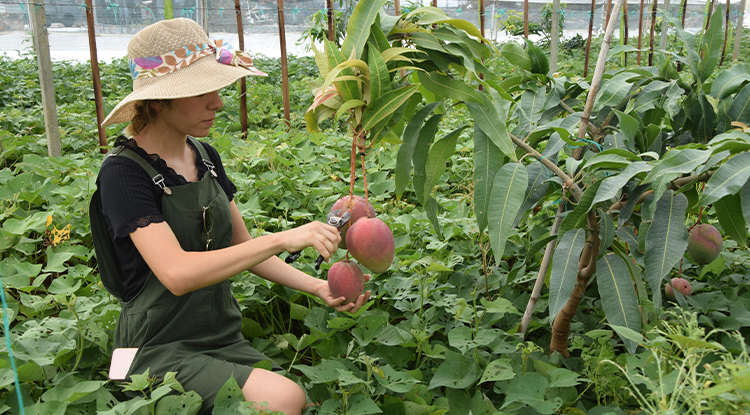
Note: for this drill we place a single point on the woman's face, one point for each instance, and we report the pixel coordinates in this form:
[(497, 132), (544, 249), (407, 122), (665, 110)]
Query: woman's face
[(192, 116)]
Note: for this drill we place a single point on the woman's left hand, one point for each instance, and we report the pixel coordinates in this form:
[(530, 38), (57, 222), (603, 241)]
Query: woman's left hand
[(324, 293)]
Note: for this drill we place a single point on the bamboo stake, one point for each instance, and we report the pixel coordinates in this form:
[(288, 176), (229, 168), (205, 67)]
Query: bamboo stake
[(684, 12), (481, 17), (38, 24), (738, 33), (243, 83), (526, 19), (329, 11), (640, 33), (555, 35), (651, 37), (543, 268), (588, 41), (397, 7), (609, 13), (625, 29), (434, 3), (664, 28), (726, 34), (98, 102), (598, 72), (284, 67)]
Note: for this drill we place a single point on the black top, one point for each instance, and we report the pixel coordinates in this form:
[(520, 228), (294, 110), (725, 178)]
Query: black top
[(131, 200)]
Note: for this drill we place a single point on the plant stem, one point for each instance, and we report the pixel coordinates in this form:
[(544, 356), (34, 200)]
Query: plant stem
[(546, 261), (567, 181), (599, 71)]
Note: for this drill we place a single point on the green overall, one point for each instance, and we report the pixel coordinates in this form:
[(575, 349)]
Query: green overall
[(198, 335)]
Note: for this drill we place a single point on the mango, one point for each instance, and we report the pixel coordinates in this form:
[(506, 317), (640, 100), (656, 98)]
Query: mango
[(359, 208), (370, 241), (346, 279), (681, 285), (704, 244)]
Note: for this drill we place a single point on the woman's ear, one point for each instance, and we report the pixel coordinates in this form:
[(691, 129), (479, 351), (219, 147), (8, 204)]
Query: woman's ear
[(156, 105)]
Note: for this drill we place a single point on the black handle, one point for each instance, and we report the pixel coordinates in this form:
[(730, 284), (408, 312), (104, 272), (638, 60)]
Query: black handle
[(292, 257)]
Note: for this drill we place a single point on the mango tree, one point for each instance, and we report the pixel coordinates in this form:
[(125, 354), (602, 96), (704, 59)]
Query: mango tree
[(616, 173)]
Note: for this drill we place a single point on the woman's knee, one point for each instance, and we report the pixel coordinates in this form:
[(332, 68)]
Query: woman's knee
[(280, 393)]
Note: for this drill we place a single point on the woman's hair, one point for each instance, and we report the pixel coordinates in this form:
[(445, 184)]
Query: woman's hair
[(143, 115)]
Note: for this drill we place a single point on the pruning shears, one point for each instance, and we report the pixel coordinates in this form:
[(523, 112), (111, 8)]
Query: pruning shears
[(336, 219)]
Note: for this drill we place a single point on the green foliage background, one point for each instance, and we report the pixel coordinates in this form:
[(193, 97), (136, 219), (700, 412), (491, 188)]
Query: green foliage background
[(440, 333)]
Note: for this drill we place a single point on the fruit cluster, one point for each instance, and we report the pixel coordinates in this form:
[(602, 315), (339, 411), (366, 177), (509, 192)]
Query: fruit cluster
[(368, 239)]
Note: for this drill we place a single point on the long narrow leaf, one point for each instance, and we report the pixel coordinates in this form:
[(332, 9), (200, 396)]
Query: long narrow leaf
[(358, 28), (728, 180), (445, 87), (488, 159), (666, 240), (618, 295), (380, 80), (733, 224), (440, 152), (491, 124), (421, 150), (409, 142), (562, 278), (507, 194), (386, 105)]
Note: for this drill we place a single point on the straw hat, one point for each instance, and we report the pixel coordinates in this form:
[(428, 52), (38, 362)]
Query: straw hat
[(175, 59)]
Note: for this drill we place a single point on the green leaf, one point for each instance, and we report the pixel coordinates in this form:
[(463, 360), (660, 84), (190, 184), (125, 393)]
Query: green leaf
[(386, 105), (531, 106), (740, 108), (562, 279), (325, 372), (488, 159), (734, 225), (612, 185), (508, 190), (421, 151), (539, 61), (575, 218), (650, 96), (395, 380), (691, 343), (358, 28), (426, 40), (347, 106), (491, 124), (618, 295), (348, 90), (745, 195), (692, 59), (536, 189), (500, 369), (666, 240), (728, 179), (530, 389), (380, 79), (614, 91), (730, 80), (402, 172), (457, 372), (445, 87), (711, 45), (606, 231), (516, 55), (440, 152)]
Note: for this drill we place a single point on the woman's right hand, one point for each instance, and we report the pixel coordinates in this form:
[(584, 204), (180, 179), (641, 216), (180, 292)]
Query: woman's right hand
[(321, 236)]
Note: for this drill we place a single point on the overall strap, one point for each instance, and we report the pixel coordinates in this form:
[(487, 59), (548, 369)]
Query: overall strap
[(156, 177), (204, 156)]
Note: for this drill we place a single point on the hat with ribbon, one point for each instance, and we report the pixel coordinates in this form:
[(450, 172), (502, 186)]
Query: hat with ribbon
[(175, 59)]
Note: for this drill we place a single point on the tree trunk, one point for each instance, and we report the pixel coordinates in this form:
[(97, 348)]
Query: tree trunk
[(586, 269)]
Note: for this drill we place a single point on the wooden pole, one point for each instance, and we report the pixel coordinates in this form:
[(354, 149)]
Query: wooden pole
[(243, 81), (284, 69), (331, 29), (653, 29), (625, 28), (588, 41), (609, 13), (640, 33), (684, 12), (98, 102), (526, 19), (481, 17), (38, 23), (738, 33), (708, 17), (434, 3), (664, 27), (397, 7), (204, 15), (727, 27), (555, 35)]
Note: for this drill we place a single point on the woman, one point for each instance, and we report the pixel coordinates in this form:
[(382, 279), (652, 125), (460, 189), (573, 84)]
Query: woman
[(168, 234)]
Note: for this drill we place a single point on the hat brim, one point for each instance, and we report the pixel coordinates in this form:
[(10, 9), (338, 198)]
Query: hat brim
[(203, 76)]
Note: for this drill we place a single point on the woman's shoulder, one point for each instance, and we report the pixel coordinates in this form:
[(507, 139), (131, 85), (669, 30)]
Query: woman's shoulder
[(120, 161)]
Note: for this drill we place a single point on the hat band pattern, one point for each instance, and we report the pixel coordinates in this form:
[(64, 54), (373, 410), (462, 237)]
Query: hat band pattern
[(154, 66)]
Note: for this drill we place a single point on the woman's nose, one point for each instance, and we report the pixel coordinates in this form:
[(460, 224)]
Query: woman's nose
[(216, 103)]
